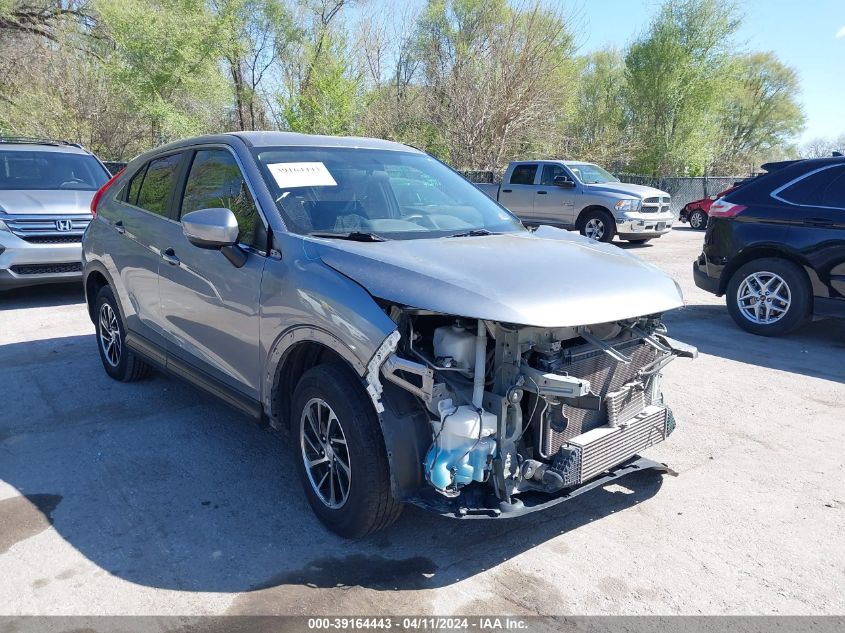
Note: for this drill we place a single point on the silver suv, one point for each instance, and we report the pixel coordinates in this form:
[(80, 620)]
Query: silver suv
[(46, 189), (418, 344)]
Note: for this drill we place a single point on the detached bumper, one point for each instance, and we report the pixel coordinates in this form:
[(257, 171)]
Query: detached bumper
[(24, 263), (642, 225)]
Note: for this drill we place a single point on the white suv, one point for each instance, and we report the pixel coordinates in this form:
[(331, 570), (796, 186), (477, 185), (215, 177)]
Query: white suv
[(46, 189)]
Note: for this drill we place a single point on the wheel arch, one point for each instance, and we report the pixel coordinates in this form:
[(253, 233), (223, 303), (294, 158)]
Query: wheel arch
[(588, 209), (96, 277), (761, 252)]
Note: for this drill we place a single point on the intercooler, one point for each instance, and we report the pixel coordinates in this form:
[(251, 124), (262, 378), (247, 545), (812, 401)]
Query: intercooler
[(583, 443)]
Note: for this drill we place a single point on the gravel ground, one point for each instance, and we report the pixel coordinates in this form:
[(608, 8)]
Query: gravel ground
[(152, 498)]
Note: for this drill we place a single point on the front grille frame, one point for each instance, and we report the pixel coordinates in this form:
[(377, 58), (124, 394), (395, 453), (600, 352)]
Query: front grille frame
[(39, 228)]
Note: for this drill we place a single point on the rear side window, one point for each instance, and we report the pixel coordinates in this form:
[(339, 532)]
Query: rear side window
[(825, 188), (216, 181), (135, 186), (157, 186), (523, 175)]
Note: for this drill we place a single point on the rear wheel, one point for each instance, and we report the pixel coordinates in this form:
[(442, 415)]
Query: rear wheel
[(769, 296), (119, 362), (342, 460), (698, 220), (597, 225)]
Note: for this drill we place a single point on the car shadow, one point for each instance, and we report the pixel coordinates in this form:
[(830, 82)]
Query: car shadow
[(159, 484), (43, 296), (815, 350)]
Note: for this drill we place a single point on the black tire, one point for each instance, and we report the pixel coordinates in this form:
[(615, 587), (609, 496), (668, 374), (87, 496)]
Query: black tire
[(124, 365), (698, 220), (796, 284), (638, 240), (601, 217), (369, 505)]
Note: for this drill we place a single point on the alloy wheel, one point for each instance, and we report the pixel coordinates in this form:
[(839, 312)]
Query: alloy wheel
[(594, 229), (325, 453), (110, 340), (696, 219), (763, 298)]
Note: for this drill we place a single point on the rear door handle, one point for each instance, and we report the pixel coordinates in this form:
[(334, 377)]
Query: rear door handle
[(507, 190), (818, 221), (170, 257), (118, 226)]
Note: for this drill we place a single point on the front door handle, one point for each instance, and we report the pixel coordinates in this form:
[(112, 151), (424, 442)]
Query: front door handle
[(170, 257), (507, 190), (818, 221), (118, 226), (542, 193)]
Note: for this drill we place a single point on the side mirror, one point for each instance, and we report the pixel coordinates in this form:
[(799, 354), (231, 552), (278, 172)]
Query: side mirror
[(211, 228), (563, 181)]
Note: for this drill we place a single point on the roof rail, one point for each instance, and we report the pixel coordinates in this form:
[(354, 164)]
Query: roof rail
[(37, 141)]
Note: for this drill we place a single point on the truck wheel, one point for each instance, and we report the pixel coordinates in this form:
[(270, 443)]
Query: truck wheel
[(769, 297), (118, 360), (698, 220), (341, 456), (597, 225)]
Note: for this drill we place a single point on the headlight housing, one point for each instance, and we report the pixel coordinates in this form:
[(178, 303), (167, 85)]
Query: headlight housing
[(3, 226), (629, 204)]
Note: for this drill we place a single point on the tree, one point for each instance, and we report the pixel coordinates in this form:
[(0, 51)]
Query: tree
[(760, 114), (497, 77), (598, 129), (165, 55), (322, 89), (822, 147), (674, 74), (255, 34)]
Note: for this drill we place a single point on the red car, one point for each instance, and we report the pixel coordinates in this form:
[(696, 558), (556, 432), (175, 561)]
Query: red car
[(697, 211)]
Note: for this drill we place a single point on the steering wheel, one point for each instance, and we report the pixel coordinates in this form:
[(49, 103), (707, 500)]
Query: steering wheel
[(72, 181), (413, 216)]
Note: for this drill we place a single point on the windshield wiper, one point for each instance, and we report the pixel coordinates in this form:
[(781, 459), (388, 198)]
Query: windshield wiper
[(474, 233), (355, 236)]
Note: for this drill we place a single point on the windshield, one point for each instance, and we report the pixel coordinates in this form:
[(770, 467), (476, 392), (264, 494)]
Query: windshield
[(395, 195), (592, 174), (40, 170)]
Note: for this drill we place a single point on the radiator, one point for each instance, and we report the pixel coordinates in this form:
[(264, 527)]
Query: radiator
[(609, 379)]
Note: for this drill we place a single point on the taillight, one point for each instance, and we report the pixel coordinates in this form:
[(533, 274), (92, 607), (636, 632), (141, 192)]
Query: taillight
[(725, 209), (96, 199)]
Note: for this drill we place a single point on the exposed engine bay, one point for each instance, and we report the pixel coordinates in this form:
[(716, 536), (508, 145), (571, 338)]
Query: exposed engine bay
[(518, 410)]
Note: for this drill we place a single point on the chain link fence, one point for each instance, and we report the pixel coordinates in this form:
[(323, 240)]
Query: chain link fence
[(682, 189)]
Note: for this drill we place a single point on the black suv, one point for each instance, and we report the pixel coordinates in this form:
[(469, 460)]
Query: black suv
[(775, 247)]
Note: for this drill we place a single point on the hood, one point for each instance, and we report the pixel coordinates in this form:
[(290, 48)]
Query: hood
[(548, 278), (625, 189), (47, 202)]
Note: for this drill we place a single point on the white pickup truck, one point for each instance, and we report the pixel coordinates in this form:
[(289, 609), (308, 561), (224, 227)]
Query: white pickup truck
[(582, 196)]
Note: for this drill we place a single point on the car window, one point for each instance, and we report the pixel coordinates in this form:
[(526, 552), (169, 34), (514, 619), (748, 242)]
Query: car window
[(135, 186), (523, 175), (157, 186), (393, 194), (215, 181), (24, 170), (550, 172), (825, 188)]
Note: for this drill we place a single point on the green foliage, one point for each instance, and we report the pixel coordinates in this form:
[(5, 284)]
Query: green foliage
[(674, 72), (166, 56)]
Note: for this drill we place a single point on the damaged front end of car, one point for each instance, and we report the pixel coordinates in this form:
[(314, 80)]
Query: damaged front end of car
[(490, 419)]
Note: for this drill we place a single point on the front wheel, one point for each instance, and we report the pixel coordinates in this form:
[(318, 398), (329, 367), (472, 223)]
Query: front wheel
[(698, 220), (769, 297), (597, 225), (342, 460)]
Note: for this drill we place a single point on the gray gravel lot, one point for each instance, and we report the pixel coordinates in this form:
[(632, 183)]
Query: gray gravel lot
[(152, 498)]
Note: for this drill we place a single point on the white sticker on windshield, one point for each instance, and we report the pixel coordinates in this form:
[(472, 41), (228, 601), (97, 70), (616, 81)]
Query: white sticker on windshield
[(290, 175)]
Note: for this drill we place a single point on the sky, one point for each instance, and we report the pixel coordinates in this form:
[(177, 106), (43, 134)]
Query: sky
[(808, 35)]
